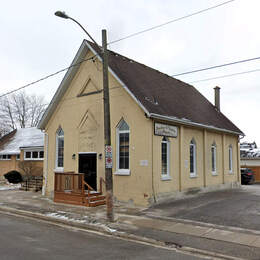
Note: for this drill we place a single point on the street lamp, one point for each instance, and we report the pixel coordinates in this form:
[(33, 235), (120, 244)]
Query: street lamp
[(107, 131)]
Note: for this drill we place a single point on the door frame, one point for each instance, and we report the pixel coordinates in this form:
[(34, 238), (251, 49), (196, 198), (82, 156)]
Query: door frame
[(82, 153)]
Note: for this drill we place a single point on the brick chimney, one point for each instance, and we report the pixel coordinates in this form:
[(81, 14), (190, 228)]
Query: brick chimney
[(217, 97)]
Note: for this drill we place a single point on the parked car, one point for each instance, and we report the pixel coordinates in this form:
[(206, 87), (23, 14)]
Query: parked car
[(247, 176)]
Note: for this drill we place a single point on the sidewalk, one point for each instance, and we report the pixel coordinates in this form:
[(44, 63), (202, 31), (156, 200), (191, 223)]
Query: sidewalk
[(132, 223)]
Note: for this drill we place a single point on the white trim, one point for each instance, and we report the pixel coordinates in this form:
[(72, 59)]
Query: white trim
[(194, 173), (31, 158), (214, 147), (118, 132), (167, 175), (59, 169), (87, 152), (230, 159), (5, 159), (56, 153), (123, 172), (190, 123), (121, 82), (45, 166)]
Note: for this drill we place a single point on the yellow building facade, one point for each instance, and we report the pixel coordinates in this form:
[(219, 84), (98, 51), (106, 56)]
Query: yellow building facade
[(22, 150), (154, 156)]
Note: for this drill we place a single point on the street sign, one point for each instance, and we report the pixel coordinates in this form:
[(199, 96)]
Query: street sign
[(108, 156)]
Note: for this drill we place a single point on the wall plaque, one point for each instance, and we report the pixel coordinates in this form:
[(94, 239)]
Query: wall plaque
[(165, 130)]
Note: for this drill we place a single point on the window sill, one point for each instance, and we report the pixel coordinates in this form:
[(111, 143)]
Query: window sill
[(193, 176), (230, 172), (58, 170), (123, 172), (214, 173), (165, 178), (33, 159)]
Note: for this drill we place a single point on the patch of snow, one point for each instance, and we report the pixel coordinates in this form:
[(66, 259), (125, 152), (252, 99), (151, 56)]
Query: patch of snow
[(10, 187), (107, 228), (24, 137)]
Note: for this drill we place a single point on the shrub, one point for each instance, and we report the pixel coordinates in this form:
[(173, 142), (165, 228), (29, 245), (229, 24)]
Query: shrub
[(13, 177)]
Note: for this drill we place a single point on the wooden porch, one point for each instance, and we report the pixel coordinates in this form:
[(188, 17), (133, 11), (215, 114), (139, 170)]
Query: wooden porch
[(70, 188)]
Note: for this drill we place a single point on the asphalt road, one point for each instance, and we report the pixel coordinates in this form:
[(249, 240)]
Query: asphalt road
[(234, 207), (29, 239)]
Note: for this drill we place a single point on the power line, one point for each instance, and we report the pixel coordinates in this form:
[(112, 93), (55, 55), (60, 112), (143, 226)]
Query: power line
[(126, 37), (172, 21), (46, 77), (225, 76), (217, 66)]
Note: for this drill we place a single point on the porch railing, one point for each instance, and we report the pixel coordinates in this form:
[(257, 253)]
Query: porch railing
[(69, 182)]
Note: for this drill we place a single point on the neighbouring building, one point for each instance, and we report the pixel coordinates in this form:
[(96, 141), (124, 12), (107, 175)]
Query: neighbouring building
[(167, 138), (22, 150), (250, 158)]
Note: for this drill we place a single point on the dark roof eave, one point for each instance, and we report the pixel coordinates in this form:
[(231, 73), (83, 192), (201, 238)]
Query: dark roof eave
[(190, 123)]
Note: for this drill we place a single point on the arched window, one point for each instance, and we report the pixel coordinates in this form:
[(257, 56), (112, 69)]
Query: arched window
[(193, 158), (123, 134), (230, 159), (214, 158), (165, 153), (59, 149)]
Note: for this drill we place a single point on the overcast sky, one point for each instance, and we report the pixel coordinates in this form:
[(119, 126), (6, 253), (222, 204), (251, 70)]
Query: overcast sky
[(35, 43)]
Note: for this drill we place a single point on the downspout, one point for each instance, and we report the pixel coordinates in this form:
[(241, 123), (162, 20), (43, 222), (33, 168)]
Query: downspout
[(46, 140), (154, 197)]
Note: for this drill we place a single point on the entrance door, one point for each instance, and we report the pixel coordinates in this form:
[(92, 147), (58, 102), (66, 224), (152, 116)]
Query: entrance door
[(88, 166)]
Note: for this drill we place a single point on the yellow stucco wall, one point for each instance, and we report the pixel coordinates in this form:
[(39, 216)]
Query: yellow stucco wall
[(13, 164), (81, 119)]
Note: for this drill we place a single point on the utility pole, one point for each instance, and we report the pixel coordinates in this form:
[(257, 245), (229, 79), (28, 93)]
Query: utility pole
[(107, 131)]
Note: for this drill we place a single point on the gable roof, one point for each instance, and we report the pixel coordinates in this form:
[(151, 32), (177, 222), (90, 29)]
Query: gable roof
[(21, 138), (159, 95)]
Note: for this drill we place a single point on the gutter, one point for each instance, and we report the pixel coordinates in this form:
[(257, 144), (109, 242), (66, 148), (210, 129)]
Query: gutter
[(189, 123)]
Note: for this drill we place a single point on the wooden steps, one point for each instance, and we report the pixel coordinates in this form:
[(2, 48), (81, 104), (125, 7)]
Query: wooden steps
[(97, 200), (93, 200), (71, 188)]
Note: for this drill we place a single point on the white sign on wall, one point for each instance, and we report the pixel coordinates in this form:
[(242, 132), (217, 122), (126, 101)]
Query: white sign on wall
[(143, 162), (165, 130)]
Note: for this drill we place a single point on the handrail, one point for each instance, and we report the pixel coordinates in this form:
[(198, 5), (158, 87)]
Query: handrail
[(101, 180), (89, 187)]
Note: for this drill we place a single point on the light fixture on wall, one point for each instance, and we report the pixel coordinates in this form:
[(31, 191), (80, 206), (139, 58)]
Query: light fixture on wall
[(74, 156), (100, 156)]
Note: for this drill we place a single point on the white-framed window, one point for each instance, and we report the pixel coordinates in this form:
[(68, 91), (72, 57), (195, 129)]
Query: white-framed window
[(230, 159), (5, 157), (214, 159), (165, 159), (193, 162), (18, 157), (122, 153), (32, 155), (59, 162)]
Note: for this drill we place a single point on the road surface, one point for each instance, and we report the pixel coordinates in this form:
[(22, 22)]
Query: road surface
[(28, 239)]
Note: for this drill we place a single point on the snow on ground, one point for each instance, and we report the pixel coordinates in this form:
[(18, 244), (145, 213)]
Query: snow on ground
[(10, 187)]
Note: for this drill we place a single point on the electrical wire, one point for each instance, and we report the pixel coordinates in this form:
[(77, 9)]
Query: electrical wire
[(225, 76), (217, 66), (46, 77), (172, 21), (112, 42)]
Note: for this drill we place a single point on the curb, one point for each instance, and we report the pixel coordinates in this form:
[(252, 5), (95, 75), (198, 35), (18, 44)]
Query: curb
[(106, 230)]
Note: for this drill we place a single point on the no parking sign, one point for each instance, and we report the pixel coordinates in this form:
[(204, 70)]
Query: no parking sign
[(108, 155)]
